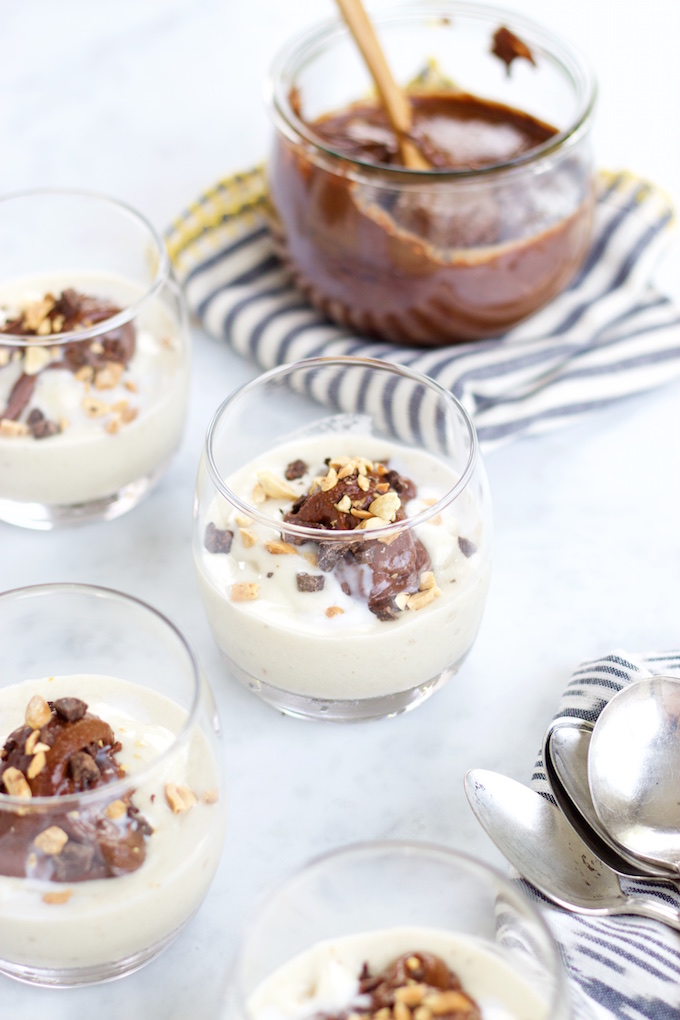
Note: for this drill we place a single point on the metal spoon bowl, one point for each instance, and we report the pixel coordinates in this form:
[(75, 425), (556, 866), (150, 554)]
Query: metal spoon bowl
[(634, 770), (541, 844), (565, 757)]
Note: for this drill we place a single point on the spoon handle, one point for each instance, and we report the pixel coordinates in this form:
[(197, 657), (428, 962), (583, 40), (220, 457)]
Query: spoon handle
[(395, 101), (645, 906)]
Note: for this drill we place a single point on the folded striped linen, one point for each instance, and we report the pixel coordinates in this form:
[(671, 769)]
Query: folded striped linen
[(622, 966), (610, 335)]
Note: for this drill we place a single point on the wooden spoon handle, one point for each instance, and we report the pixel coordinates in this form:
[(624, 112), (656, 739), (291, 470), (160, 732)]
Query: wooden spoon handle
[(396, 103)]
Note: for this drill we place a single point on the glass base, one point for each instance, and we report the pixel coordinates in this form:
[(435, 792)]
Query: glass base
[(67, 977), (45, 517), (302, 706)]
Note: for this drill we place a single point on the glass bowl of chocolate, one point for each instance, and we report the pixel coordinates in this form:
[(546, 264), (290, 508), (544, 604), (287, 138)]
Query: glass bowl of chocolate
[(94, 358), (112, 800), (492, 230), (396, 931), (342, 537)]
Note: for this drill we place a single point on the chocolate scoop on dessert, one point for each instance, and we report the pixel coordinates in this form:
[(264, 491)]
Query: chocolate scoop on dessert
[(64, 749)]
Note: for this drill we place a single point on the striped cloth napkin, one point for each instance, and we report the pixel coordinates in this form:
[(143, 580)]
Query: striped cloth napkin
[(623, 966), (610, 335)]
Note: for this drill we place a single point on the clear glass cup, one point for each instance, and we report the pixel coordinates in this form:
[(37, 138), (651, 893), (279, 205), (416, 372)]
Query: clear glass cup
[(368, 614), (93, 393), (74, 906), (432, 256), (305, 946)]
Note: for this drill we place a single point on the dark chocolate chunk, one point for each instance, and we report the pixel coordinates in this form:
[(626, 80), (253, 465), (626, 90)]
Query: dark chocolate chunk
[(467, 547), (330, 553), (69, 709), (295, 469), (385, 611), (40, 426), (19, 396), (217, 540), (310, 582), (83, 769), (73, 863)]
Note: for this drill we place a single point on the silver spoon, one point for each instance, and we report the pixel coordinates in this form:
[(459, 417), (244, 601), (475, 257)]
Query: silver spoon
[(565, 757), (634, 770), (541, 844)]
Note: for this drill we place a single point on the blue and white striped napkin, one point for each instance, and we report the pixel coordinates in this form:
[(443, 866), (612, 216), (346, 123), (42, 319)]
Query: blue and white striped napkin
[(623, 966), (610, 335)]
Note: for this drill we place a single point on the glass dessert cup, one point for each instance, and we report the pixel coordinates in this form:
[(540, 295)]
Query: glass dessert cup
[(374, 903), (94, 358), (373, 601), (106, 849), (464, 250)]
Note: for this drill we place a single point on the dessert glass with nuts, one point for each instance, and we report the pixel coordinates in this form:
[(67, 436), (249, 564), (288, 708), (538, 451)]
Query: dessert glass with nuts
[(112, 800), (94, 358), (396, 931), (342, 537)]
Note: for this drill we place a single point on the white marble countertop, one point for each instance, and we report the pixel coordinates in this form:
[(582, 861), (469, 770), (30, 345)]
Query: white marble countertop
[(151, 103)]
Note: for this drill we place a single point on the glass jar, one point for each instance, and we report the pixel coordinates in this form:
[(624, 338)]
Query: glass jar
[(342, 537), (94, 358), (112, 793), (435, 256)]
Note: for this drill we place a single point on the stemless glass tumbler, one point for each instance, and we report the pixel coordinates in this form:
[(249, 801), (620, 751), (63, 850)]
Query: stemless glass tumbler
[(94, 358), (405, 913), (342, 537), (112, 799)]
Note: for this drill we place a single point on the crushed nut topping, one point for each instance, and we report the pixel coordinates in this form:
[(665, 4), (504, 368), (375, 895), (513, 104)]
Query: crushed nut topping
[(51, 841), (101, 362), (58, 897), (244, 591), (64, 749), (274, 487), (179, 798), (416, 986)]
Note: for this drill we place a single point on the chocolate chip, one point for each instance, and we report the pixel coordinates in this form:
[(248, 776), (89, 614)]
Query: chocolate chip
[(310, 582), (83, 769), (467, 547), (217, 540), (40, 426), (69, 709), (295, 469), (329, 554), (19, 396), (73, 863), (384, 611)]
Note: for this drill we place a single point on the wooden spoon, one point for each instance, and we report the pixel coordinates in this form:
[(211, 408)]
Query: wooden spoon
[(396, 103)]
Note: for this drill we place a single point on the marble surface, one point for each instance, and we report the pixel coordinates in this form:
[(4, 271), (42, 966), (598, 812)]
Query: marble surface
[(151, 102)]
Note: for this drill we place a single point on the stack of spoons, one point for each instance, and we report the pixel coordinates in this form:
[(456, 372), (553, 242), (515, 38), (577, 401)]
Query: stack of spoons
[(616, 783)]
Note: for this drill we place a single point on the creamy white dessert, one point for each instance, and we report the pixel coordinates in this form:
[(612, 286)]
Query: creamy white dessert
[(324, 980), (116, 425), (326, 643), (56, 925)]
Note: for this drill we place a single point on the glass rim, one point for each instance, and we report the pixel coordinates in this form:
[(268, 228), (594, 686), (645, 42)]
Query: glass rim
[(307, 43), (352, 535), (9, 801), (126, 314), (405, 847)]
